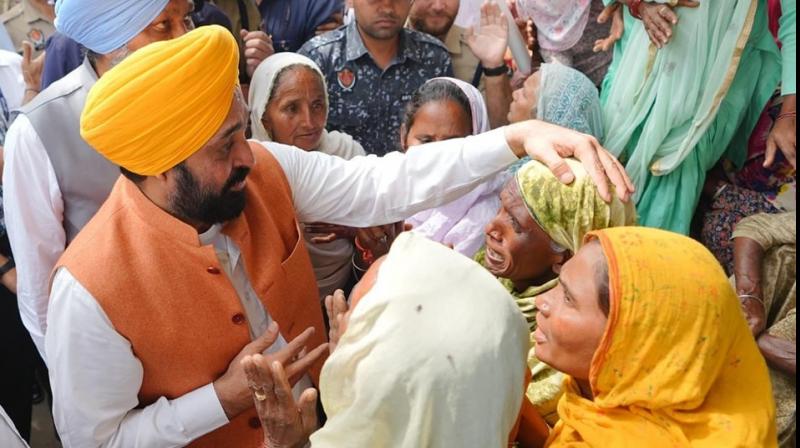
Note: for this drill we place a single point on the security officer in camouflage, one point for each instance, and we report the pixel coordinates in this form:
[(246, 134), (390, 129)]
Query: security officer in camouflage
[(373, 66), (30, 20)]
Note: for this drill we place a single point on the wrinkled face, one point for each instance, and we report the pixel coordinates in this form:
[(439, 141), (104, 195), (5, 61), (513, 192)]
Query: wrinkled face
[(434, 17), (174, 21), (381, 19), (525, 100), (436, 121), (570, 321), (208, 187), (516, 247), (296, 113)]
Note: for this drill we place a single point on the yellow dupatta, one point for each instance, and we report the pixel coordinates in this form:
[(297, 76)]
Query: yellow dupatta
[(677, 365)]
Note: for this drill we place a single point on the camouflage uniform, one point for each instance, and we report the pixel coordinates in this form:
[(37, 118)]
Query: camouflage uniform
[(365, 101), (24, 22)]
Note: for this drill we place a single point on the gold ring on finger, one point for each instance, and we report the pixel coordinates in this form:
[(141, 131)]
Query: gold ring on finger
[(260, 394)]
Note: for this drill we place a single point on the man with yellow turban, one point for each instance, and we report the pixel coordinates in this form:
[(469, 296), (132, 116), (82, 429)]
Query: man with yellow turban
[(54, 182), (196, 259)]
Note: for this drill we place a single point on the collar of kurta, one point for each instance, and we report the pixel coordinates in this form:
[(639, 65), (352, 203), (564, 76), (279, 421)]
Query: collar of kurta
[(355, 48)]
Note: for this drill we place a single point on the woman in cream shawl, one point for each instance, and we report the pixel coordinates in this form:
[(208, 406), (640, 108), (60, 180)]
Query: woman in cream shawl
[(332, 260), (433, 356)]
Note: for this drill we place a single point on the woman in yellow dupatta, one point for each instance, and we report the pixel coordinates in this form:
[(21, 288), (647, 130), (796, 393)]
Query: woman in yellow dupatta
[(656, 347)]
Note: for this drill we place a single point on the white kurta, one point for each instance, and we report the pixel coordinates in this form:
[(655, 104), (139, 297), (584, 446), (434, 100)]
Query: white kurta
[(95, 376)]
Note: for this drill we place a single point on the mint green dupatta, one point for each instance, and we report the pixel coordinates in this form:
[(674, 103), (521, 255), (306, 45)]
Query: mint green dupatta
[(671, 114)]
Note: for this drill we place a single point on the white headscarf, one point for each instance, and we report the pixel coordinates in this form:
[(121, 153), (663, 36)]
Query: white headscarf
[(261, 86), (461, 222), (433, 356), (559, 23), (331, 261)]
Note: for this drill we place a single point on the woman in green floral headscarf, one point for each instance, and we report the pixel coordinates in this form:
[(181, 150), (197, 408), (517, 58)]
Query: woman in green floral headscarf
[(540, 225)]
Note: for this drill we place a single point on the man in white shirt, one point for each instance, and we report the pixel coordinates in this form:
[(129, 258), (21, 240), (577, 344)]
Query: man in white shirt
[(146, 332)]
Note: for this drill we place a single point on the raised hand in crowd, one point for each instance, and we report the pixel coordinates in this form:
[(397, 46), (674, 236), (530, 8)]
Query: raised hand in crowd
[(286, 423), (231, 387), (613, 12), (31, 71), (337, 309), (490, 40), (659, 19), (783, 136), (257, 47)]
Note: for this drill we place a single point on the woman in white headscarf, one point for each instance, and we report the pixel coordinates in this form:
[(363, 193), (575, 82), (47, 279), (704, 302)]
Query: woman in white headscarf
[(445, 108), (433, 355), (288, 101)]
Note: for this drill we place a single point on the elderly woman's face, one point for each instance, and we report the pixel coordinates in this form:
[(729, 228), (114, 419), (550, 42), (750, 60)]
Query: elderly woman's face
[(516, 247), (436, 121), (296, 114), (525, 100), (570, 322)]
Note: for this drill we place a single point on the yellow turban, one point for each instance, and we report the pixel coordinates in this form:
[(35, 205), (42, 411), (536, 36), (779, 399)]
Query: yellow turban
[(164, 102)]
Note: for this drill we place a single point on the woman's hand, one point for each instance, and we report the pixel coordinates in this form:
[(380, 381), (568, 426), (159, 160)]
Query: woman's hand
[(336, 308), (783, 135), (613, 12), (659, 19), (378, 240), (490, 42), (286, 423), (329, 233)]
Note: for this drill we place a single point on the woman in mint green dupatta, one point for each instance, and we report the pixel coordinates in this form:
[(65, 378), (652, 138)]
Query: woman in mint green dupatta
[(671, 113)]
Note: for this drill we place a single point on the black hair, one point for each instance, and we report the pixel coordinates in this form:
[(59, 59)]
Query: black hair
[(435, 90), (131, 176)]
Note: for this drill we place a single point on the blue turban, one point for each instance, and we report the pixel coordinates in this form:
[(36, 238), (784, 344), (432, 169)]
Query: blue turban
[(104, 26)]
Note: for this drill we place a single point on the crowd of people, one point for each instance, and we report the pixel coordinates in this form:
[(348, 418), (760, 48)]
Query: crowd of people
[(352, 223)]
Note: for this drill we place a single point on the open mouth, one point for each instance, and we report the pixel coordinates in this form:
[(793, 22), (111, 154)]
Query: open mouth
[(494, 257)]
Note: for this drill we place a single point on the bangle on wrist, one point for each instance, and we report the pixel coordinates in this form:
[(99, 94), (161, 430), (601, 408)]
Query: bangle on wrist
[(754, 297), (635, 8)]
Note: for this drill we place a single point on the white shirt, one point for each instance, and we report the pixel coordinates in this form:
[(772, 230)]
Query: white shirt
[(34, 211), (96, 378)]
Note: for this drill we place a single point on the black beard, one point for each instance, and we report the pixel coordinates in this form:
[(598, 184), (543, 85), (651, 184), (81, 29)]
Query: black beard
[(191, 202)]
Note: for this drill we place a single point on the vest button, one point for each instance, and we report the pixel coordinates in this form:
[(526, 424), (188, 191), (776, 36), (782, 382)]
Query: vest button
[(212, 270), (238, 318), (254, 423)]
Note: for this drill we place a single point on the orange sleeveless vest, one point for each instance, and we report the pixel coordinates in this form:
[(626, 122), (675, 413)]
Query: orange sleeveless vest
[(171, 299)]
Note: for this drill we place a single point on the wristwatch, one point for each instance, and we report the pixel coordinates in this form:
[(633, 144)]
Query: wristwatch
[(495, 71), (7, 266)]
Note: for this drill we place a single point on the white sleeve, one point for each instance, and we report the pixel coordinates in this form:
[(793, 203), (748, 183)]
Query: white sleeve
[(96, 378), (34, 211), (368, 191)]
